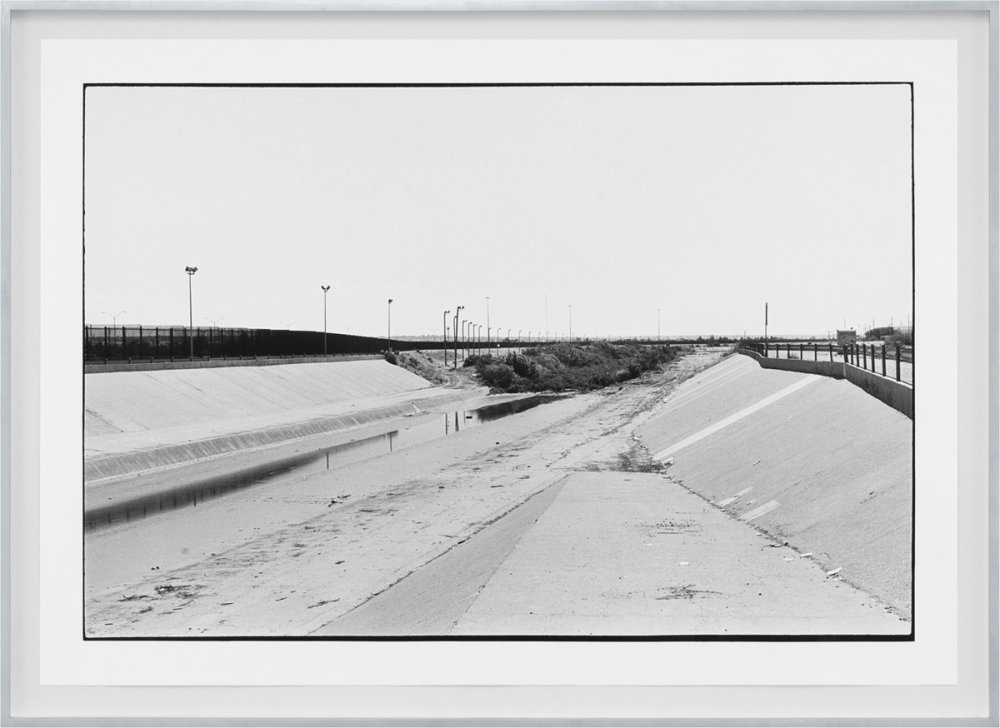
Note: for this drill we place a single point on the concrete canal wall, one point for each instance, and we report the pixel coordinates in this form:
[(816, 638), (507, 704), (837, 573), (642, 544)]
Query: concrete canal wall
[(119, 402), (898, 395), (811, 460)]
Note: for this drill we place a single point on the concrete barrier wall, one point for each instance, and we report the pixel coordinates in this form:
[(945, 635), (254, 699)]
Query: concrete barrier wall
[(897, 395), (833, 369)]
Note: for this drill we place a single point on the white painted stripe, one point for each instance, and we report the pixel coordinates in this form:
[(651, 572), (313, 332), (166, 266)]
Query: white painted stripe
[(727, 421), (760, 511), (733, 498)]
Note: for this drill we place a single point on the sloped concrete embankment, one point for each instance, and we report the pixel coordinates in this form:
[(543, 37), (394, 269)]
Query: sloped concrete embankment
[(811, 460), (898, 395), (136, 421)]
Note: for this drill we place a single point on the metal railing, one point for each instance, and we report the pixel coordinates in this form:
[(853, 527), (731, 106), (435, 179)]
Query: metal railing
[(870, 357)]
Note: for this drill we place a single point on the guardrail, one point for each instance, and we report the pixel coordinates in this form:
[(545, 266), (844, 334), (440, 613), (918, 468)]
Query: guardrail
[(870, 357), (860, 364)]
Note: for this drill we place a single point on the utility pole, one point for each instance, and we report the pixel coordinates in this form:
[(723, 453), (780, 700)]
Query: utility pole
[(765, 322), (325, 290), (487, 321)]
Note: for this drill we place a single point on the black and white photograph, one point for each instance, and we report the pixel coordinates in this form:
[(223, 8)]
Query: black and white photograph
[(531, 361)]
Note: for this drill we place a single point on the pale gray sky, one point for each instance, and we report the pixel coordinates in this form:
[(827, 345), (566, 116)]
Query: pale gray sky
[(704, 202)]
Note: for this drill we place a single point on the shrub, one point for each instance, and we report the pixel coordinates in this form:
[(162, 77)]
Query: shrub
[(497, 375), (522, 365), (391, 358)]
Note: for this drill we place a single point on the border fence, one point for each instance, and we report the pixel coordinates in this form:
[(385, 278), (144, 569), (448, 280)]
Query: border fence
[(178, 343)]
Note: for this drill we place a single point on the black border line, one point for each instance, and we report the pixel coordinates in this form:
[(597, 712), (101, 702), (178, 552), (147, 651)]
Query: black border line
[(527, 638)]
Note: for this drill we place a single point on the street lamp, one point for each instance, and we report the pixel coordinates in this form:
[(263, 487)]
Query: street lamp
[(458, 310), (479, 337), (487, 321), (326, 289), (190, 271), (389, 325), (445, 339)]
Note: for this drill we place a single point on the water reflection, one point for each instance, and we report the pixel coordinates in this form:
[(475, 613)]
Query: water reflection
[(190, 494)]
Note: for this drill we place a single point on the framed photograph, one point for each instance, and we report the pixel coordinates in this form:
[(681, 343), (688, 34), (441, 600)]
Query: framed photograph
[(500, 364)]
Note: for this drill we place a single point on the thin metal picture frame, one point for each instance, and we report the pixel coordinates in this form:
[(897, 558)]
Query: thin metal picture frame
[(13, 296)]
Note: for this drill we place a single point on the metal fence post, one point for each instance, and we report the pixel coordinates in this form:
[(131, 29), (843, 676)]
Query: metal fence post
[(897, 363), (883, 360)]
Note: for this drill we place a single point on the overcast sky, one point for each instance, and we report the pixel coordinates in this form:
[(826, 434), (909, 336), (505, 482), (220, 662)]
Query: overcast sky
[(703, 202)]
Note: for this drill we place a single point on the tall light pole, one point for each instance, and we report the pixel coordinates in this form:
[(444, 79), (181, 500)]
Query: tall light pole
[(190, 271), (389, 325), (458, 310), (325, 290), (765, 322), (464, 340), (487, 321), (445, 339), (479, 338)]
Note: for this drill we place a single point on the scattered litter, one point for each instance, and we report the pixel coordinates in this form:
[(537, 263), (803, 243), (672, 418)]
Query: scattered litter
[(668, 461), (808, 553), (756, 462), (683, 563), (834, 571)]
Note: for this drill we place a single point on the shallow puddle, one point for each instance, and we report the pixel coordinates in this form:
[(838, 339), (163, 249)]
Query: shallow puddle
[(193, 493)]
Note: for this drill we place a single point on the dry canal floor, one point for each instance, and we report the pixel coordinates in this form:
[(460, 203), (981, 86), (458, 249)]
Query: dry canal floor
[(548, 522)]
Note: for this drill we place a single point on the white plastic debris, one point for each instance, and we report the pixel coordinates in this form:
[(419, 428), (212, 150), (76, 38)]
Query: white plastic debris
[(834, 571)]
